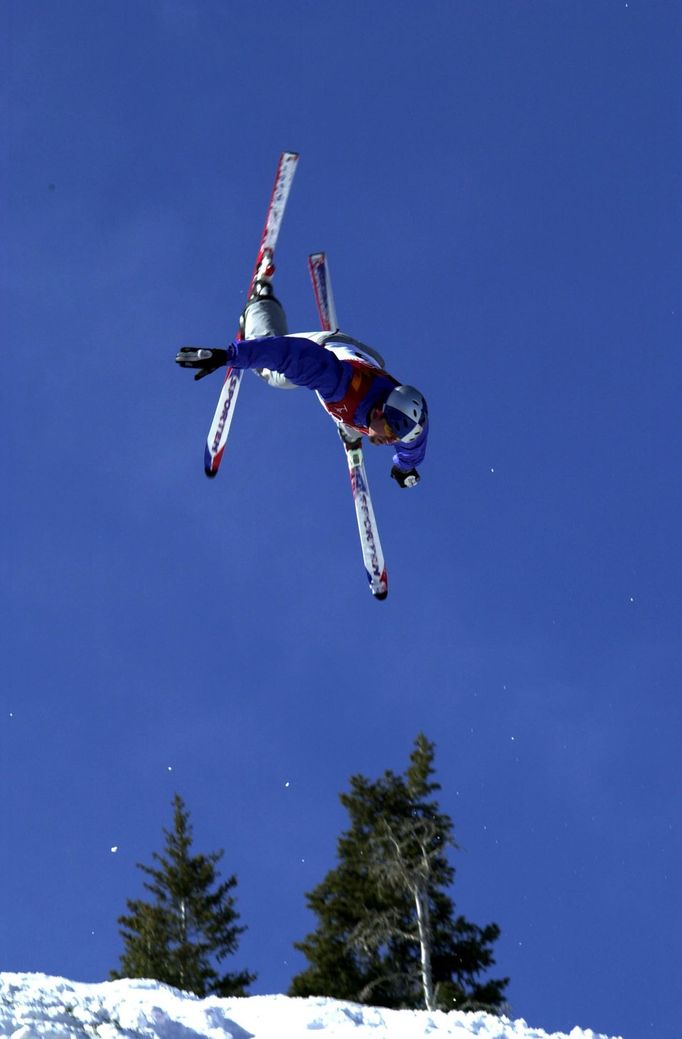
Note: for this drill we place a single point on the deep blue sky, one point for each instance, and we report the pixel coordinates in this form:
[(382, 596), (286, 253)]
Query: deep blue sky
[(498, 188)]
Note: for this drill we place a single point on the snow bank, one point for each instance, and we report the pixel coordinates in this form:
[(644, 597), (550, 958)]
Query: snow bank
[(34, 1006)]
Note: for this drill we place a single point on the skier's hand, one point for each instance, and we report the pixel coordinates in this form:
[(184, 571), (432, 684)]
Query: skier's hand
[(207, 361), (405, 479)]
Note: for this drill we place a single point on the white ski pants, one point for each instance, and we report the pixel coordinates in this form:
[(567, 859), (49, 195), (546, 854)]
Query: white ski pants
[(265, 316)]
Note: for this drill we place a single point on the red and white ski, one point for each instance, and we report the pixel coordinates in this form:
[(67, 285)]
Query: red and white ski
[(222, 419), (318, 266), (372, 553)]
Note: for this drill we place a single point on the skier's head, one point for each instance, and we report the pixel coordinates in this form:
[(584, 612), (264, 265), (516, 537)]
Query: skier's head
[(405, 412)]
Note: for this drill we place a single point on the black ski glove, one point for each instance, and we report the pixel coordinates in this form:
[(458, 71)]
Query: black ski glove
[(405, 479), (207, 361)]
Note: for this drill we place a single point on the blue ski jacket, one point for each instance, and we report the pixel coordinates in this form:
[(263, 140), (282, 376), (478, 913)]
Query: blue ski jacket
[(304, 363)]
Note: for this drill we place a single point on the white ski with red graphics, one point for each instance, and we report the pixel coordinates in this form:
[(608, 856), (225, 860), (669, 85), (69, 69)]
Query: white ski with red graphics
[(372, 554), (318, 264), (224, 412)]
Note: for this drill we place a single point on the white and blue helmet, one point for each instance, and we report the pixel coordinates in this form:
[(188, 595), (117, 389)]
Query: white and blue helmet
[(406, 412)]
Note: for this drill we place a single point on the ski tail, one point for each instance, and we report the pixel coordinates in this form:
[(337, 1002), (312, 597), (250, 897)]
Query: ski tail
[(318, 265), (222, 419), (372, 553)]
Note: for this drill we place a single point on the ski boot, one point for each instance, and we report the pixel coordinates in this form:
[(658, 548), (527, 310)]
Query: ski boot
[(349, 437), (262, 282), (265, 314)]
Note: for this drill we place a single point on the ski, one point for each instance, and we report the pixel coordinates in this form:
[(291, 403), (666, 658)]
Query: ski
[(318, 265), (372, 553), (224, 412)]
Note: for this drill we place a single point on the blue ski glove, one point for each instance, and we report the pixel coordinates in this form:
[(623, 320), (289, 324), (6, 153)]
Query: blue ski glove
[(405, 479)]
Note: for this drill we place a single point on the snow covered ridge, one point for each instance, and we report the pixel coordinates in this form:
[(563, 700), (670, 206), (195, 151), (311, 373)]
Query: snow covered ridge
[(34, 1006)]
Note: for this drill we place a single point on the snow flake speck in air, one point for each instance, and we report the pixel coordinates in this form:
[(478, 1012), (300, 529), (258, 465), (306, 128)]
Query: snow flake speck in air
[(34, 1006)]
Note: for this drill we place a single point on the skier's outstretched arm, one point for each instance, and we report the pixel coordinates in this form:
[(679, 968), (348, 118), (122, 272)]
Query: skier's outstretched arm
[(301, 361)]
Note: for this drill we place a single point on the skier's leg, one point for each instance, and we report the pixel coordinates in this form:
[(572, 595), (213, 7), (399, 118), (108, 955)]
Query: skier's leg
[(264, 316)]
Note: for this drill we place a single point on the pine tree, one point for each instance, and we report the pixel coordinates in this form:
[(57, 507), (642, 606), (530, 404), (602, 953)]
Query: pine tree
[(387, 931), (190, 926)]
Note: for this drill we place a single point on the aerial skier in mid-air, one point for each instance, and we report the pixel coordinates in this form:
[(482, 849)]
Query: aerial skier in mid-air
[(361, 397), (348, 377)]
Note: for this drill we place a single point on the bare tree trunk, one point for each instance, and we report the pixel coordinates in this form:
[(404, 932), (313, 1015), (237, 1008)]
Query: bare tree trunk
[(424, 925), (183, 931)]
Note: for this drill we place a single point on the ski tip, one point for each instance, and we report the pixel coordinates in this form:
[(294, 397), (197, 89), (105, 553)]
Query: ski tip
[(378, 586), (212, 461), (211, 464)]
